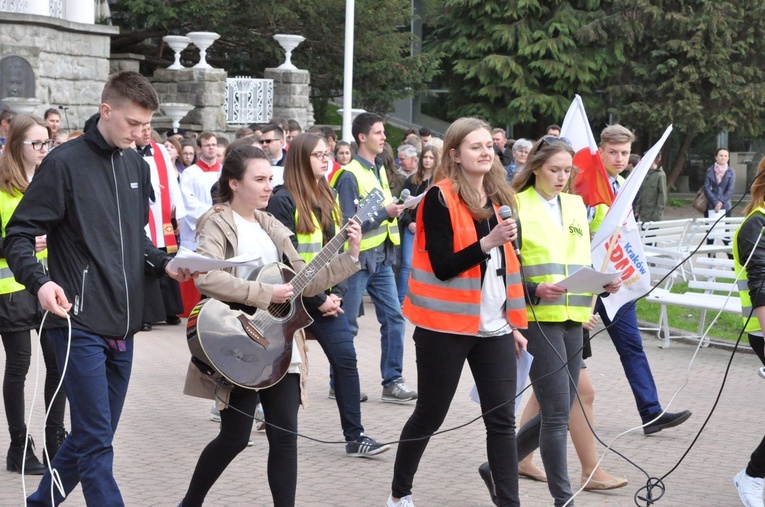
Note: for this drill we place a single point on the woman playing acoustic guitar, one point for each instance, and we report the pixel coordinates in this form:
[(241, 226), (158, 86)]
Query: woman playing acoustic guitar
[(234, 227)]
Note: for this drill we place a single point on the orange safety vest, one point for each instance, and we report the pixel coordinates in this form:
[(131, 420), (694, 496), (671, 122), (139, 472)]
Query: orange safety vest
[(454, 306)]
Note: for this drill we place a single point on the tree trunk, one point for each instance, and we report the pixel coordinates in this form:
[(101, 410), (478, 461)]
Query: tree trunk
[(682, 155)]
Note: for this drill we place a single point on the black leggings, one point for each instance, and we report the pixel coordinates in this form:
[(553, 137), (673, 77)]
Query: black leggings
[(440, 358), (18, 355), (756, 466), (280, 407)]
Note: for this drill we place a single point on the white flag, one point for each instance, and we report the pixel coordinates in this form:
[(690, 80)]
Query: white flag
[(627, 256)]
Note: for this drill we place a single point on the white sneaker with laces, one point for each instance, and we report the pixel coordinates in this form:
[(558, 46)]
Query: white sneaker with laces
[(402, 502), (749, 489)]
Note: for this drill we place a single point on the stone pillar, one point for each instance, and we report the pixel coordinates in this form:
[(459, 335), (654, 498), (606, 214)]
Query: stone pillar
[(291, 95), (80, 11), (205, 88)]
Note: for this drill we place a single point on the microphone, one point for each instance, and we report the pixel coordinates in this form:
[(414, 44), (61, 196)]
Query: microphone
[(405, 193), (505, 212)]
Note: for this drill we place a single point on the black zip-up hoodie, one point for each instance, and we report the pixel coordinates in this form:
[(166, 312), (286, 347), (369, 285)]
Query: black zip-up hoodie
[(92, 200)]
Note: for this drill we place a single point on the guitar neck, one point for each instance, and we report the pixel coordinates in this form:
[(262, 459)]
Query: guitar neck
[(304, 277)]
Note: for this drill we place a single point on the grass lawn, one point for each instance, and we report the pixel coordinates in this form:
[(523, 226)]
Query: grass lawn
[(727, 327)]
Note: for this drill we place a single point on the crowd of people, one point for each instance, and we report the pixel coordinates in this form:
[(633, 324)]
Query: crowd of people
[(478, 285)]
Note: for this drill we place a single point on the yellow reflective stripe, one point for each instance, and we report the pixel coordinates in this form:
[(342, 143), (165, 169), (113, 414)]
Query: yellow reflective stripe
[(439, 305), (551, 268), (572, 301), (453, 283)]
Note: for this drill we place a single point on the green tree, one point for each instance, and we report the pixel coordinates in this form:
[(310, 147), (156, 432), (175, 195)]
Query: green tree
[(384, 70), (518, 61), (695, 64)]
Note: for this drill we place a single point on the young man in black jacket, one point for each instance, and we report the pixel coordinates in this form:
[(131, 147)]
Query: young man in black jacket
[(91, 199)]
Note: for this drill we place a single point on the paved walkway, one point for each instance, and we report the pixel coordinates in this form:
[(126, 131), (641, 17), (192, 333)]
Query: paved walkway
[(162, 433)]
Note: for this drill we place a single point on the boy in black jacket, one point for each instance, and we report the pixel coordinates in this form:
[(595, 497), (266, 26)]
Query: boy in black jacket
[(91, 199)]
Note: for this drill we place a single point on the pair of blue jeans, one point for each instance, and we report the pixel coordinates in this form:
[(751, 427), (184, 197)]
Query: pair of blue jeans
[(381, 286), (624, 332), (334, 336), (407, 243), (96, 381)]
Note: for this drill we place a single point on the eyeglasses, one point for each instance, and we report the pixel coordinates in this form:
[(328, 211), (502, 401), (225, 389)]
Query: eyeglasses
[(322, 155), (38, 145)]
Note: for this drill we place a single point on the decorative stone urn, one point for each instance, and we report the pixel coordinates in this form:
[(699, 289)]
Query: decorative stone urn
[(177, 43), (288, 43), (203, 40), (23, 105), (176, 111)]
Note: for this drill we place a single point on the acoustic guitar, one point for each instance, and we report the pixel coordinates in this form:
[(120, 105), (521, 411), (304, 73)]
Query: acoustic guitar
[(252, 347)]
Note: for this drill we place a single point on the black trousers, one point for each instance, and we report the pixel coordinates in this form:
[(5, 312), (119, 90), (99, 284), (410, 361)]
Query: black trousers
[(756, 466), (280, 407), (440, 358)]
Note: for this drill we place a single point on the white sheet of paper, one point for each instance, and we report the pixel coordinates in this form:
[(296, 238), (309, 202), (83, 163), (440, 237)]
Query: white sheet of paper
[(587, 280), (413, 201), (188, 259), (523, 368)]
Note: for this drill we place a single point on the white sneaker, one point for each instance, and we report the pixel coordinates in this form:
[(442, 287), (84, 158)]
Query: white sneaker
[(214, 414), (402, 502), (749, 489)]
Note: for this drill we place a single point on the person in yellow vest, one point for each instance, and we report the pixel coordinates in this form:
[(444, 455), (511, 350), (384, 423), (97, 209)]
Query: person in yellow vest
[(28, 143), (466, 300), (306, 205), (555, 243), (749, 263), (353, 182)]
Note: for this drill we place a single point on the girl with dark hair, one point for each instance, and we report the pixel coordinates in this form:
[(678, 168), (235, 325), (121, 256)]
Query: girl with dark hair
[(416, 183), (306, 205), (28, 143), (188, 155), (466, 300), (238, 226), (174, 149)]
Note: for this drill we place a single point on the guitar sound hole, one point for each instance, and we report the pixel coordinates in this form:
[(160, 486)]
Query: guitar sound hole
[(280, 311)]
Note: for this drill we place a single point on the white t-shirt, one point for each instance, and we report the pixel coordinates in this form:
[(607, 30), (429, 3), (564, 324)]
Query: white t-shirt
[(493, 296), (253, 240)]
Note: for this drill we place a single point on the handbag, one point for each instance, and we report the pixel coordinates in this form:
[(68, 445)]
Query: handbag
[(700, 202)]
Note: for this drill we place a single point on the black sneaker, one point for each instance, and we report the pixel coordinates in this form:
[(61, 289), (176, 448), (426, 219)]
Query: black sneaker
[(364, 447)]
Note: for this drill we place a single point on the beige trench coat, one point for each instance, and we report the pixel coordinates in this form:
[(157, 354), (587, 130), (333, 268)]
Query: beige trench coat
[(218, 240)]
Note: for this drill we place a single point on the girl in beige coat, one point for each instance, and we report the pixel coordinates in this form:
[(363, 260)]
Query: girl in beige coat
[(237, 227)]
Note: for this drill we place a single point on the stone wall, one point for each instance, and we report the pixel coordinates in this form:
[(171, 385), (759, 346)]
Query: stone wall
[(70, 60), (204, 88)]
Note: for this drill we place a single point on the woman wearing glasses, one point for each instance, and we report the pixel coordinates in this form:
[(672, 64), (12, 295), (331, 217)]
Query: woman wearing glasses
[(239, 226), (28, 143), (555, 242), (306, 205)]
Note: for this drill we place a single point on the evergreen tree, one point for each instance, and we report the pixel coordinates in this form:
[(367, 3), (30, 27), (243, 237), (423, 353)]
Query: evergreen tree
[(696, 64), (518, 61)]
